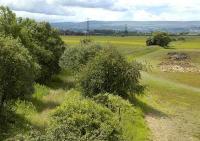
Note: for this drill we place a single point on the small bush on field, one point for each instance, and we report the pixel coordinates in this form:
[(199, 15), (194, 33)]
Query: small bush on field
[(181, 39), (159, 38), (17, 70), (85, 41), (110, 72), (82, 119), (77, 57)]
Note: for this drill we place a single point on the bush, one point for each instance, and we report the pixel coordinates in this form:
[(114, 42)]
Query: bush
[(110, 72), (114, 103), (80, 119), (181, 39), (85, 41), (159, 38), (132, 121), (77, 57), (17, 70)]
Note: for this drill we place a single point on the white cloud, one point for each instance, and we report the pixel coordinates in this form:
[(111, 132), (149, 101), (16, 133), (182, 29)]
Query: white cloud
[(42, 17), (36, 6), (78, 10), (143, 15)]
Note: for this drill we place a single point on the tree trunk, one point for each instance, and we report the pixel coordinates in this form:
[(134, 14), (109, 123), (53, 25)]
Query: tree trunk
[(1, 103)]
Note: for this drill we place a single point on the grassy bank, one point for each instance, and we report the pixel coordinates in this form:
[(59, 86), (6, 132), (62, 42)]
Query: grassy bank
[(170, 104)]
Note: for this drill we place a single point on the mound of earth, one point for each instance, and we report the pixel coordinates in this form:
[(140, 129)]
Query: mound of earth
[(178, 62)]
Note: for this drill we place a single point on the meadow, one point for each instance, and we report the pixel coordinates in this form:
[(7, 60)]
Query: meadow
[(168, 110), (171, 102)]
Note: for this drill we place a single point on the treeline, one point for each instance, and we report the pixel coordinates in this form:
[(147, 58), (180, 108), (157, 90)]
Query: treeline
[(29, 53), (107, 32), (103, 32)]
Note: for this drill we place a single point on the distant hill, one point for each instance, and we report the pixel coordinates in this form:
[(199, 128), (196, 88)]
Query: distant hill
[(140, 26)]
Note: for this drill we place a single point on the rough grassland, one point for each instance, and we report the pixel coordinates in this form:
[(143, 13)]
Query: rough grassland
[(33, 115), (171, 103)]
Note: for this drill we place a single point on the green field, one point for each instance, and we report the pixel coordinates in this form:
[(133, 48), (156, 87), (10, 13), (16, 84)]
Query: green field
[(172, 99), (171, 104)]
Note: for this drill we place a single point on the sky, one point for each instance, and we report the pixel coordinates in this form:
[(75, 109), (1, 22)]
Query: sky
[(106, 10)]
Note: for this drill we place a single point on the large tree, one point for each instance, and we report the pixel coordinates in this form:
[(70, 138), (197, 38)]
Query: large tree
[(17, 70), (45, 45), (42, 41)]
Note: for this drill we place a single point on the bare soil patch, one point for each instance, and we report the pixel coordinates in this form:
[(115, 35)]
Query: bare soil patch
[(178, 62)]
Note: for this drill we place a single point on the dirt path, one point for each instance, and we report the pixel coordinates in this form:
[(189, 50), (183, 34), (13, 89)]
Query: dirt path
[(181, 108), (168, 129)]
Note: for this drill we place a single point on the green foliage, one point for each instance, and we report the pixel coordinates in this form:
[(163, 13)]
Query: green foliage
[(85, 41), (181, 39), (40, 91), (8, 22), (81, 119), (23, 107), (18, 70), (110, 72), (131, 118), (42, 41), (77, 57), (11, 122), (44, 44), (159, 38)]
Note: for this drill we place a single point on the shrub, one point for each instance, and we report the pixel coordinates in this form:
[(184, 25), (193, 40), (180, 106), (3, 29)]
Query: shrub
[(114, 103), (132, 121), (181, 39), (110, 72), (159, 38), (80, 119), (17, 70), (77, 57), (85, 41)]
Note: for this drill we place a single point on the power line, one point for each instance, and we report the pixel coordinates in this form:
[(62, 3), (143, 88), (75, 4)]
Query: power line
[(126, 30), (88, 25), (88, 28)]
